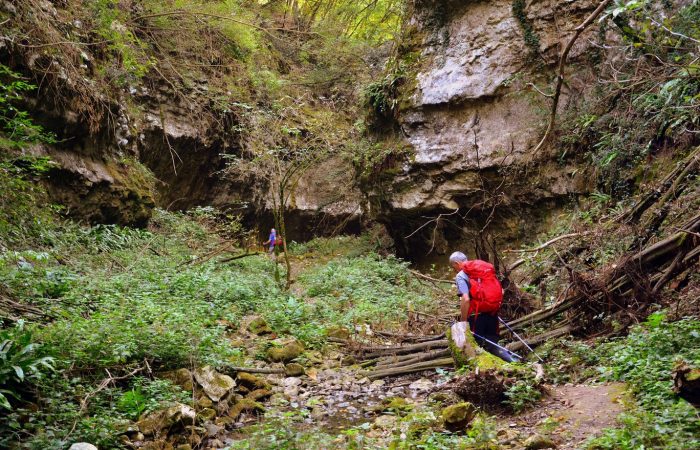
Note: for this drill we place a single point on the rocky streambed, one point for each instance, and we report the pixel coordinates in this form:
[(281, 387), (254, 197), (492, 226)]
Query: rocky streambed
[(328, 392)]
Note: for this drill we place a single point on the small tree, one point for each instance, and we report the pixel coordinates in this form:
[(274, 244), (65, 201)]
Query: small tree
[(278, 169)]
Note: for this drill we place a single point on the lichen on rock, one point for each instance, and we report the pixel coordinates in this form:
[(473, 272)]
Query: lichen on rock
[(215, 384)]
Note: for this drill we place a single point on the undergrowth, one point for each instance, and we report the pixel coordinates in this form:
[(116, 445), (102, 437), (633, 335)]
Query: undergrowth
[(115, 299), (644, 360)]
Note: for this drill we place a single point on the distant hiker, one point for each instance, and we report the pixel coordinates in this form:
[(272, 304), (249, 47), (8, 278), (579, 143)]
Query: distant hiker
[(480, 295), (272, 241)]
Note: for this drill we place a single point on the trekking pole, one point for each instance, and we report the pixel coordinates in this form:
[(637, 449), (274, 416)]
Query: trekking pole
[(512, 354), (520, 339)]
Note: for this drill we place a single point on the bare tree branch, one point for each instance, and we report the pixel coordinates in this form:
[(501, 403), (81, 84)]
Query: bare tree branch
[(562, 67)]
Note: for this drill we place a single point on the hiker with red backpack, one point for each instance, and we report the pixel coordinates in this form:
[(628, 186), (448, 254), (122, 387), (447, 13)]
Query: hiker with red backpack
[(273, 241), (480, 294)]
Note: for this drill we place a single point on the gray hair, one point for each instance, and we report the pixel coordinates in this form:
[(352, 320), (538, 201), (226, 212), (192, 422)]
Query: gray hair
[(457, 257)]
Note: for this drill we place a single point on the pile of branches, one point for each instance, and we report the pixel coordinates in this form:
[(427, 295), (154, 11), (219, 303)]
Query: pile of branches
[(416, 354), (630, 286)]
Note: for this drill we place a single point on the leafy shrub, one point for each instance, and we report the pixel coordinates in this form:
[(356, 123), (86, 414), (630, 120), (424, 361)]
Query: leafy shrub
[(21, 360), (16, 126), (166, 314), (149, 395), (340, 245), (522, 395)]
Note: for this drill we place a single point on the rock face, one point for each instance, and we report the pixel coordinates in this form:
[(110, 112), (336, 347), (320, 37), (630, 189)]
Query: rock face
[(466, 109), (471, 118), (97, 177)]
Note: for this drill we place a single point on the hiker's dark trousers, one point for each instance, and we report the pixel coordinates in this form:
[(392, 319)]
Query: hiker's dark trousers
[(486, 326)]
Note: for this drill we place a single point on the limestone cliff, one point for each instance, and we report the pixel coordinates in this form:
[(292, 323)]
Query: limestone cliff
[(471, 116), (466, 110)]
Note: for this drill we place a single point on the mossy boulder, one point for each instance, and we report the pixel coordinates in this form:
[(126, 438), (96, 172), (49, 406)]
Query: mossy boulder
[(259, 394), (444, 397), (155, 422), (338, 333), (398, 405), (251, 382), (294, 370), (204, 402), (286, 353), (259, 326), (538, 441), (206, 414), (457, 417), (245, 405)]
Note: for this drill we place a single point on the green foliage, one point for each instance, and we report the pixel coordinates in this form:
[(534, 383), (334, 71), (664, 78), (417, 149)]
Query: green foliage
[(379, 161), (21, 360), (22, 219), (645, 360), (166, 314), (348, 246), (382, 96), (364, 290), (523, 394), (20, 216), (369, 21), (532, 40), (644, 108), (130, 60), (148, 395), (16, 126)]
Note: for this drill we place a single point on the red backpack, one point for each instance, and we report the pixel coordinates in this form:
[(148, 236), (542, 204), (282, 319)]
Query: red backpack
[(484, 289)]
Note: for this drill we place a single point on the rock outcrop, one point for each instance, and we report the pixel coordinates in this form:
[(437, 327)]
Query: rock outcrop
[(469, 111), (466, 107)]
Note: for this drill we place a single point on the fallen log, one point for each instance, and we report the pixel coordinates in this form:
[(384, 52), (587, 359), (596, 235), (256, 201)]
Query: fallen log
[(417, 359), (540, 338), (654, 256), (544, 314), (674, 178), (654, 221), (429, 278), (373, 352), (393, 359), (419, 367), (410, 337), (546, 244)]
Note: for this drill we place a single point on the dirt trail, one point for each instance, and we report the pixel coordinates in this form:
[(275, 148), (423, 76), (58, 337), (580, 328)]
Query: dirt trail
[(569, 415)]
